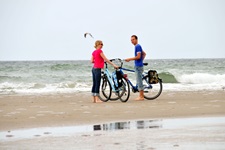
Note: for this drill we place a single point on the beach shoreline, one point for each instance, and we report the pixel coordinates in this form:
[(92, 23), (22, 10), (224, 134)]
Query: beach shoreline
[(34, 111)]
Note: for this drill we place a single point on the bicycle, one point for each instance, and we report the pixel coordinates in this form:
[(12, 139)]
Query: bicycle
[(152, 88)]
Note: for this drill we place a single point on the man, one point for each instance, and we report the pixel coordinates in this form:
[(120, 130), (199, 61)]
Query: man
[(138, 61)]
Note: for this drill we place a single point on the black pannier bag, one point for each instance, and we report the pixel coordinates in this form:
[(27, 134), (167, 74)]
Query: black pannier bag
[(153, 77)]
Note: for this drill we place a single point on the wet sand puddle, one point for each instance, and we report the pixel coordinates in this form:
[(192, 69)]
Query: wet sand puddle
[(184, 133)]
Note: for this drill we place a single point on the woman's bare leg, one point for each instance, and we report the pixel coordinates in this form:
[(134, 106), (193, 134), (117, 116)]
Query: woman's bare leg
[(93, 99)]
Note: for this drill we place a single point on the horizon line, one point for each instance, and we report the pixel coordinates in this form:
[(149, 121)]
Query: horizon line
[(115, 58)]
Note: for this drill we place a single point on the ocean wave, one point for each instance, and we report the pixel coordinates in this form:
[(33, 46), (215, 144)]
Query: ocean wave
[(11, 78), (193, 78), (168, 77), (62, 67)]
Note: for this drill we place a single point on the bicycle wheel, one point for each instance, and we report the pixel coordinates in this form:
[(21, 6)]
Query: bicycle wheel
[(105, 89), (152, 91), (124, 91)]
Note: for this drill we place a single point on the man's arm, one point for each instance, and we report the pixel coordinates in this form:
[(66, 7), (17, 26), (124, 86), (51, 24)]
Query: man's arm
[(134, 58), (143, 55)]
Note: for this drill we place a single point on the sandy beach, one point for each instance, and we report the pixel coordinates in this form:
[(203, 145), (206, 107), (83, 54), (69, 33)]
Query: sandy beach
[(178, 120), (20, 112)]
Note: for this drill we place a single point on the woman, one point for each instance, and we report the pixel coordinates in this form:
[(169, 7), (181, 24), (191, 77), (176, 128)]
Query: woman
[(98, 59)]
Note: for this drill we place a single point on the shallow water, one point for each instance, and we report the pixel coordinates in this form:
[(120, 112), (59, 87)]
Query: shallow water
[(183, 133)]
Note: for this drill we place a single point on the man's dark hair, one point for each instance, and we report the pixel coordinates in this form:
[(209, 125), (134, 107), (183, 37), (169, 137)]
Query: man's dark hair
[(135, 36)]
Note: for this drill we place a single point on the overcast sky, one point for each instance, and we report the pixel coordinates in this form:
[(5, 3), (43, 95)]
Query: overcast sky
[(53, 29)]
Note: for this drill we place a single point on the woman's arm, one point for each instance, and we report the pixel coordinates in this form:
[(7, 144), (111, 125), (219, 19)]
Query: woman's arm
[(92, 59), (108, 61)]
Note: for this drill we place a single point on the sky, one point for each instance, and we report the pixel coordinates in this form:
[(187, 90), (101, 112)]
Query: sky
[(167, 29)]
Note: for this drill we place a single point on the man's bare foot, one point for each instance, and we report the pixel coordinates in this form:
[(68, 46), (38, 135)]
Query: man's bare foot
[(140, 99)]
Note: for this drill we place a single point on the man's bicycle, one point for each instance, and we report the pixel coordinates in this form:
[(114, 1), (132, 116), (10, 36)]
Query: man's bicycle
[(116, 85)]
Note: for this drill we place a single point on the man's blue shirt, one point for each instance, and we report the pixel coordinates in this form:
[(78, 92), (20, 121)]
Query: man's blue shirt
[(139, 62)]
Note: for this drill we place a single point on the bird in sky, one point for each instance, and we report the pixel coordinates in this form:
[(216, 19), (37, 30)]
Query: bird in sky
[(85, 35)]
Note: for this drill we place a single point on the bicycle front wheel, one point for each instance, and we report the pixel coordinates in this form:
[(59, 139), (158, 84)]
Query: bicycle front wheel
[(105, 89), (124, 91), (152, 91)]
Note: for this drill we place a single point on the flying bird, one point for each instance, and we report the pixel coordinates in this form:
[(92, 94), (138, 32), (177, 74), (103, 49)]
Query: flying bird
[(85, 35)]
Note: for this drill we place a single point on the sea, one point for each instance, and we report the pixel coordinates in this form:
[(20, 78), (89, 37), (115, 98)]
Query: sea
[(59, 77)]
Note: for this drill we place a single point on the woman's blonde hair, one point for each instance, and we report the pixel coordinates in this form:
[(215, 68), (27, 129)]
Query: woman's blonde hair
[(97, 43)]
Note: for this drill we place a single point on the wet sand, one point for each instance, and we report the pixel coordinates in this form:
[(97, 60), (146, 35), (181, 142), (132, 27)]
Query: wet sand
[(187, 133), (19, 112), (68, 121)]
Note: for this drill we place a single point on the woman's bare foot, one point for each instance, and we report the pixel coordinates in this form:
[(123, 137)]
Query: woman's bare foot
[(97, 100)]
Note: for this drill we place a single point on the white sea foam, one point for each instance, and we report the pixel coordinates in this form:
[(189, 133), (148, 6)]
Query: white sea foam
[(193, 87), (202, 78), (32, 88)]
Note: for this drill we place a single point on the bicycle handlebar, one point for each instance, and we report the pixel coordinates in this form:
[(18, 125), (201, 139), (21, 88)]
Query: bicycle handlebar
[(116, 59), (121, 61)]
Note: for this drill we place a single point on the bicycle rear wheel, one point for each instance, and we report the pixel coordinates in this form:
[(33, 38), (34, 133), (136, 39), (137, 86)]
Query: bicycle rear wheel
[(152, 91), (124, 91), (105, 89)]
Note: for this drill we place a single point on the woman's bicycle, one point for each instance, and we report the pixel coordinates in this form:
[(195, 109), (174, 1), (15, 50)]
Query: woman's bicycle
[(116, 85)]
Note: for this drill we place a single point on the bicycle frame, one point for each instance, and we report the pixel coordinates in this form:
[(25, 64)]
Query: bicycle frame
[(109, 76), (135, 88)]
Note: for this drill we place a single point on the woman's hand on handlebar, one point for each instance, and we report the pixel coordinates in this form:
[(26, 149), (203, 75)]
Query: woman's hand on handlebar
[(115, 66)]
